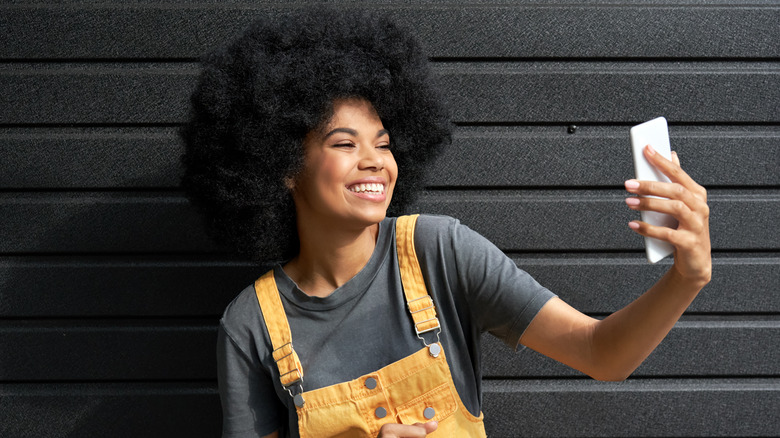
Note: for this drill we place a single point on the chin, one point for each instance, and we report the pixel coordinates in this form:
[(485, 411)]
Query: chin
[(375, 219), (372, 218)]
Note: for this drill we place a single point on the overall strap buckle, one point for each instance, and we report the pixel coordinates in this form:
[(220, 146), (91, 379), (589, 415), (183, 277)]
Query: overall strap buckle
[(287, 361), (420, 304), (418, 310), (290, 373), (425, 308)]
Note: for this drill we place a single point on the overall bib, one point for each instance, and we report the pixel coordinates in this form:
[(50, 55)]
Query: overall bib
[(415, 389)]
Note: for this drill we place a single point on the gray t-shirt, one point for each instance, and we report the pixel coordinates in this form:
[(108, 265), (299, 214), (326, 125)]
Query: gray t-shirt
[(364, 325)]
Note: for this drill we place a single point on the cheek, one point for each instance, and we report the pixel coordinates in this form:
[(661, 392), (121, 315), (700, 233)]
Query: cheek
[(327, 171), (393, 171)]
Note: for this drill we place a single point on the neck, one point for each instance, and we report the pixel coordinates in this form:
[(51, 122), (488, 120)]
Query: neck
[(330, 256)]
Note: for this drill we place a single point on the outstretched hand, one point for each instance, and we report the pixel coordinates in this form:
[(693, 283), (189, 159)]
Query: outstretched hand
[(416, 430), (687, 202)]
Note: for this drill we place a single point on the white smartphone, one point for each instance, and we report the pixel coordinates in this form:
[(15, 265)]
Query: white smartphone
[(656, 134)]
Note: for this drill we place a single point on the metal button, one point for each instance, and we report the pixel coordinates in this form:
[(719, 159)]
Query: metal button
[(371, 383), (380, 412), (298, 400), (429, 413), (434, 350)]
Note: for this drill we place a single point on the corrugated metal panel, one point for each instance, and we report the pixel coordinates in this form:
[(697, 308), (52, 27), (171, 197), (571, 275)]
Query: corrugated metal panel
[(480, 156), (490, 92), (639, 408), (515, 220), (474, 29), (110, 291), (108, 286), (152, 409), (157, 350)]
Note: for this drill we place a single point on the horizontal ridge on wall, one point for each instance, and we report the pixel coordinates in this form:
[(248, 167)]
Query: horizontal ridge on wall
[(637, 408), (156, 350), (534, 408), (552, 92), (661, 29), (109, 409), (484, 156), (145, 286), (528, 220), (692, 348)]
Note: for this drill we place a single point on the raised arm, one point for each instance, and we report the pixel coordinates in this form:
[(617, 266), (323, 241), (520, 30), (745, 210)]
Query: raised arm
[(612, 348)]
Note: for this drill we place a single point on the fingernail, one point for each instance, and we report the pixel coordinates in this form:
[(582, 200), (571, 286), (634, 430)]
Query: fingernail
[(633, 225), (650, 150), (632, 184), (632, 201)]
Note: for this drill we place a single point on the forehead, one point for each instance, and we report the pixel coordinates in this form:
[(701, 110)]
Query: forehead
[(347, 112), (350, 116)]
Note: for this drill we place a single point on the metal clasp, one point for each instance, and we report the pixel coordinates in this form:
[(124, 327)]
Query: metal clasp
[(433, 347), (297, 398), (417, 324)]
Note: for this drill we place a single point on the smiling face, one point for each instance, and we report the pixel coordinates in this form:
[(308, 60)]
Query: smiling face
[(349, 171)]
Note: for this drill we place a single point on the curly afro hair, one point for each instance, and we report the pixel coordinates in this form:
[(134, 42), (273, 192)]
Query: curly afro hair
[(259, 96)]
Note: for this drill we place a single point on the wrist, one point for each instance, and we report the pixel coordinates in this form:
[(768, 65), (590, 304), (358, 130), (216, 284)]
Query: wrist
[(689, 281)]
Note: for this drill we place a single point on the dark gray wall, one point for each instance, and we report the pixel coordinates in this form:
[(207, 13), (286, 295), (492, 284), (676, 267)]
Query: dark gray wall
[(110, 293)]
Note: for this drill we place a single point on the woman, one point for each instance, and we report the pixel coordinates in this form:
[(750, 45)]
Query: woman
[(301, 134)]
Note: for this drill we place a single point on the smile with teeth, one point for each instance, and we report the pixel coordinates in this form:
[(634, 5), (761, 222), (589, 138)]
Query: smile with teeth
[(367, 188)]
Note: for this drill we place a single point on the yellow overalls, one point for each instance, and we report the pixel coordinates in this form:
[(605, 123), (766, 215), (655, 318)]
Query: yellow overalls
[(415, 389)]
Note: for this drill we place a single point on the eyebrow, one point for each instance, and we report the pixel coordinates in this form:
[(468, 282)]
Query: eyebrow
[(354, 133)]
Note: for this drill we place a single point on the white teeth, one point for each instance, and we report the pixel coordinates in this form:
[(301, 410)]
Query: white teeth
[(368, 188)]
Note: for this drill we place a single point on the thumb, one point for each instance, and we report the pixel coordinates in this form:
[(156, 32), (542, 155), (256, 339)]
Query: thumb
[(429, 426)]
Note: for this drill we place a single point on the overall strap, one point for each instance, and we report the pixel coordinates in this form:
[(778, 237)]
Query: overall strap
[(417, 299), (290, 369)]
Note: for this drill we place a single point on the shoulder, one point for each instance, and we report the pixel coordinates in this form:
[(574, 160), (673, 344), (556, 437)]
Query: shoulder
[(242, 320), (436, 221), (431, 222), (434, 230), (243, 306), (445, 232)]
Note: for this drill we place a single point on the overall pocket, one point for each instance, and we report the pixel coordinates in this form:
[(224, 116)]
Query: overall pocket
[(434, 405)]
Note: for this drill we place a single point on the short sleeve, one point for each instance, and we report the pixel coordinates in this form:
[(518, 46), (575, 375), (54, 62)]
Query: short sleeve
[(250, 407), (503, 298)]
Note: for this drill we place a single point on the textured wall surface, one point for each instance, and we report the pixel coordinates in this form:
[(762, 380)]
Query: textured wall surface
[(110, 292)]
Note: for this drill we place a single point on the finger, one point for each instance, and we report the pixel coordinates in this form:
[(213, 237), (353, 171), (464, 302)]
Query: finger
[(694, 201), (669, 168), (429, 426), (394, 430), (684, 240), (686, 218), (675, 158), (675, 208), (656, 232)]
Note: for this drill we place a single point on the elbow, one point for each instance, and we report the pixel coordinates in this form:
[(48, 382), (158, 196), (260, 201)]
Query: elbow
[(612, 373), (611, 377), (611, 363)]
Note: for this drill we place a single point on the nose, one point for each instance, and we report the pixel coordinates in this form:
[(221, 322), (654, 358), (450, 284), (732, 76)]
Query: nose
[(371, 159)]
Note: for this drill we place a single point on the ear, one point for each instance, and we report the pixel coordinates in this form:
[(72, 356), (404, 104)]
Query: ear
[(289, 182)]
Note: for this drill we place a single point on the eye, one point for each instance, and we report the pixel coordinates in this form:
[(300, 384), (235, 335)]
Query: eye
[(346, 145)]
